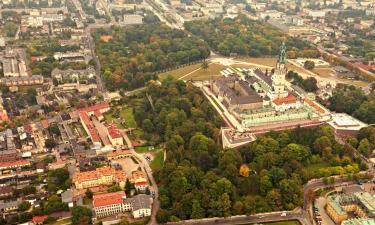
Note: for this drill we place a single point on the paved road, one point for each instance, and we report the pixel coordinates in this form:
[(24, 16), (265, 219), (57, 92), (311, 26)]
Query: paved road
[(243, 219), (153, 188), (99, 82)]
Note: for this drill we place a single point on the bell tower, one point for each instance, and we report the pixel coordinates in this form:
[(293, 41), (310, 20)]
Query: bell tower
[(278, 78)]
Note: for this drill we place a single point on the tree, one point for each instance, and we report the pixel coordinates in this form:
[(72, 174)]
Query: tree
[(205, 65), (89, 194), (310, 65), (197, 210), (114, 188), (244, 170), (364, 147), (50, 143), (23, 206), (224, 205), (81, 215)]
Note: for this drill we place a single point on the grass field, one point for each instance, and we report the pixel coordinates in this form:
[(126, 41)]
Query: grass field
[(195, 72), (213, 71), (143, 149), (324, 72), (127, 115), (177, 73), (158, 161)]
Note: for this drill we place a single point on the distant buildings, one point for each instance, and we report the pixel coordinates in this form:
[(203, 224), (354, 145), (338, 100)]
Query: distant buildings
[(133, 19), (13, 63)]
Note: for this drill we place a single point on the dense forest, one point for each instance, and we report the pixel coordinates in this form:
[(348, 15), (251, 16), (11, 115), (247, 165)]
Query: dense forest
[(134, 54), (243, 36), (354, 101), (199, 179)]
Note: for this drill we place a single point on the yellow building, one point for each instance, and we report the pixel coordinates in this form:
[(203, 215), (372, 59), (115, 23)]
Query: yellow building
[(101, 176)]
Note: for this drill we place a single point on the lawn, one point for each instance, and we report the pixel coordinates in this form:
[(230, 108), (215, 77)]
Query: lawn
[(143, 149), (194, 72), (177, 73), (158, 161), (127, 115), (324, 72), (212, 72), (63, 221)]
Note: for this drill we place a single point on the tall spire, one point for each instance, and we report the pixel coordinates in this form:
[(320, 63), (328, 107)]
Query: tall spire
[(282, 54)]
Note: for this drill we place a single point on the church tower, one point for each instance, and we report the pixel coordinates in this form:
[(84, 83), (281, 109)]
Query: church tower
[(278, 78)]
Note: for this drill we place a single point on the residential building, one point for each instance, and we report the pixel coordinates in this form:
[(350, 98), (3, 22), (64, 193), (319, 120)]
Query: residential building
[(109, 204), (14, 165), (140, 205), (114, 203), (85, 115), (118, 154), (114, 135)]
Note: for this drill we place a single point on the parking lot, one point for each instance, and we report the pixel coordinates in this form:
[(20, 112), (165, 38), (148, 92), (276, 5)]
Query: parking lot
[(127, 164), (320, 203)]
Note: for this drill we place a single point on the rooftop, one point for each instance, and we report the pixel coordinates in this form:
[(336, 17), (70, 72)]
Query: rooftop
[(139, 202), (108, 199), (290, 99), (360, 221)]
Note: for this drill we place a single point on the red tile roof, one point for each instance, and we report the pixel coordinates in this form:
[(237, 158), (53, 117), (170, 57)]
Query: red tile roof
[(290, 99), (315, 106), (18, 163), (142, 183), (113, 131), (39, 219), (99, 106), (96, 109), (93, 175), (365, 67), (108, 199), (106, 38)]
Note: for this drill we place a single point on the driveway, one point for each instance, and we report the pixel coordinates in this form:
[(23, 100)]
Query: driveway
[(320, 203)]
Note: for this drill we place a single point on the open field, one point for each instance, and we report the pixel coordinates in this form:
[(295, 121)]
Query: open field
[(158, 161), (126, 119), (261, 61), (324, 72), (195, 72), (127, 115), (143, 149), (212, 72), (177, 73)]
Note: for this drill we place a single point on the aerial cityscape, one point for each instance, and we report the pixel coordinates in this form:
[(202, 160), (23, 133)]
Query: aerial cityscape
[(232, 112)]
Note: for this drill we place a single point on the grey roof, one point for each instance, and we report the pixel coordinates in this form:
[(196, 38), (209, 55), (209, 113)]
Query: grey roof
[(67, 196), (251, 96), (139, 202), (263, 76), (8, 204)]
